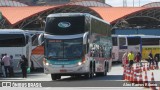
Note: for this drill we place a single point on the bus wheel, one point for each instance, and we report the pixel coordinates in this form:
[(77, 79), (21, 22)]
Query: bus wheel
[(105, 70), (53, 76), (58, 76), (90, 74)]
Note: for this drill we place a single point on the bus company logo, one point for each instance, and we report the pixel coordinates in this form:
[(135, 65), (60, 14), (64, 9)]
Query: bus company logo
[(6, 84), (64, 24)]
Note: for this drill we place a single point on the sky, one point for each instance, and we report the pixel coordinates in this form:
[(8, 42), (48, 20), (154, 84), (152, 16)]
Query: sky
[(119, 3)]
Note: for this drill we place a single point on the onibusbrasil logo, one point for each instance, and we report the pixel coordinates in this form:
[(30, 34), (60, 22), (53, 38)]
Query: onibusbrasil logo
[(21, 84)]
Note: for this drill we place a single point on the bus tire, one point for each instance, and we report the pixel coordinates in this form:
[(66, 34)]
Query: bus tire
[(87, 76), (107, 66), (58, 76), (105, 69), (54, 77), (94, 67), (91, 72)]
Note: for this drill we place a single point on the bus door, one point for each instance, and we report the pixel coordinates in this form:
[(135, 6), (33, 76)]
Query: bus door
[(122, 43), (134, 44)]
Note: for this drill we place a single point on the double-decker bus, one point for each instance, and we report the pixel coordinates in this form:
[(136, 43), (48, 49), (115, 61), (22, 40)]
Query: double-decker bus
[(15, 42), (125, 43), (76, 44)]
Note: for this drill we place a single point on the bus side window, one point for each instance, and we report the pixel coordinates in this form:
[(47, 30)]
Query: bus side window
[(110, 53)]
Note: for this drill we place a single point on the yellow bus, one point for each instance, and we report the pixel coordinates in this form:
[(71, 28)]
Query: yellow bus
[(150, 43)]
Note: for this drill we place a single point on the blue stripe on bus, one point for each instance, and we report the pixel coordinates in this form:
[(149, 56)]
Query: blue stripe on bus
[(64, 62)]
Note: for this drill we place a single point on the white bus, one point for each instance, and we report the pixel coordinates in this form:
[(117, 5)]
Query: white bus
[(37, 54), (15, 42), (125, 43), (76, 44), (135, 43)]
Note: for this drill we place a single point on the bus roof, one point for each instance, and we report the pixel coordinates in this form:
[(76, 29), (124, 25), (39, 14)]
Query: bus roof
[(11, 31), (140, 35), (75, 14), (34, 31), (67, 14)]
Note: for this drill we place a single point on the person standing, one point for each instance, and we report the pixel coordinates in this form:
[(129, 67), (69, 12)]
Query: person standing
[(6, 61), (156, 62), (2, 66), (138, 58), (150, 57), (24, 64), (130, 58), (125, 59), (11, 66)]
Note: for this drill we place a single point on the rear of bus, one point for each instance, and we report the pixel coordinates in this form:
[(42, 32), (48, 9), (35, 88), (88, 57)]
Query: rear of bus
[(119, 47), (150, 43), (123, 44), (13, 42), (37, 54), (134, 44)]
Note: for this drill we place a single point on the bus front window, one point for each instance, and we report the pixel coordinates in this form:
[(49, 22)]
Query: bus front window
[(122, 43), (64, 49)]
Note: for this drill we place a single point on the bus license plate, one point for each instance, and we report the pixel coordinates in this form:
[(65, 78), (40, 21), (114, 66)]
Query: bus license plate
[(63, 70)]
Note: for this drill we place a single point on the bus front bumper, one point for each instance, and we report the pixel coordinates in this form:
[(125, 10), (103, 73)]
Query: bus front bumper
[(66, 69)]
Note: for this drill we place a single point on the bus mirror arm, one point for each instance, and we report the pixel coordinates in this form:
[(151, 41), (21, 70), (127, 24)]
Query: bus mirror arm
[(41, 44)]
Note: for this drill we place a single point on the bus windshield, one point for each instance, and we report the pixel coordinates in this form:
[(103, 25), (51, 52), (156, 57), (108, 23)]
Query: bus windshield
[(64, 49), (12, 40)]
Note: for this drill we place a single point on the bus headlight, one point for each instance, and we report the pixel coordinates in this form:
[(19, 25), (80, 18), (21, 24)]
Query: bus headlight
[(47, 64), (79, 63)]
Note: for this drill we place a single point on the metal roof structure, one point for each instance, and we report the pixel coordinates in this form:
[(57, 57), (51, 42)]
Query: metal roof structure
[(152, 4), (89, 3), (6, 3), (33, 17), (146, 18)]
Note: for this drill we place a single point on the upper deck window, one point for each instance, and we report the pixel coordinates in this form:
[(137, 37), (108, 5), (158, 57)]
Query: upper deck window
[(65, 25)]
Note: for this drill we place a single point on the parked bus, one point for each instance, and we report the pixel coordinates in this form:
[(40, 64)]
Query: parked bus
[(135, 43), (37, 54), (15, 42), (150, 43), (125, 43), (76, 44)]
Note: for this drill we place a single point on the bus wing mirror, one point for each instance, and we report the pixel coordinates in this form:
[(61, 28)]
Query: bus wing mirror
[(41, 39), (85, 38)]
